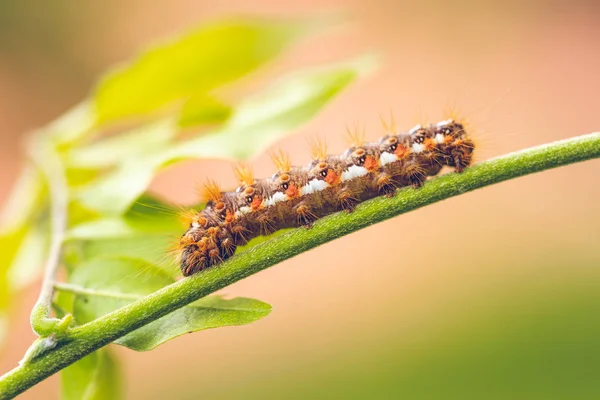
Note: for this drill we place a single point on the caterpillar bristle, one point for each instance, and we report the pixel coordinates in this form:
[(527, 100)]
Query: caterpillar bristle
[(318, 148), (355, 136), (210, 191), (244, 174), (299, 196), (281, 160), (390, 127)]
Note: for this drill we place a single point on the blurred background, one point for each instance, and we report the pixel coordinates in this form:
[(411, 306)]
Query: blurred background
[(494, 294)]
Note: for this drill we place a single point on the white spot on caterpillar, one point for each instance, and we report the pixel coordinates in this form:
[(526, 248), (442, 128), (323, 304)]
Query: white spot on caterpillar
[(354, 171), (387, 158), (195, 225), (306, 189), (318, 185), (444, 123), (439, 138), (415, 128), (276, 198), (313, 186), (243, 210), (418, 147)]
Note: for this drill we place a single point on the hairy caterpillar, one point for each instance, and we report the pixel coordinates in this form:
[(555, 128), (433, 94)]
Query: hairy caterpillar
[(298, 196)]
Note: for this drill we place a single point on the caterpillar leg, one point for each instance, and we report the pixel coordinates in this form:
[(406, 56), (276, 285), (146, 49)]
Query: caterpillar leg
[(240, 234), (462, 154), (386, 184), (267, 225), (304, 215), (415, 174), (193, 260), (347, 200)]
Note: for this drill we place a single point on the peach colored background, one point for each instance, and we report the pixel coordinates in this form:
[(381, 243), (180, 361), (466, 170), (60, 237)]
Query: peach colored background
[(524, 73)]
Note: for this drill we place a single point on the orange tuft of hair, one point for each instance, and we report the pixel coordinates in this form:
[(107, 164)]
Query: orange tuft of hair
[(332, 178), (355, 136), (371, 163), (244, 173), (318, 148), (292, 192), (210, 191), (281, 160)]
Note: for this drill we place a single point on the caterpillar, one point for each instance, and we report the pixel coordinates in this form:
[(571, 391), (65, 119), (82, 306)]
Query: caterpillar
[(298, 196)]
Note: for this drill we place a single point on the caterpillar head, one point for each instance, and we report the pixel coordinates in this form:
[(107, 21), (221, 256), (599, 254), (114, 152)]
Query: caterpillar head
[(363, 156), (328, 170), (450, 128), (249, 197), (394, 147), (418, 134), (287, 184)]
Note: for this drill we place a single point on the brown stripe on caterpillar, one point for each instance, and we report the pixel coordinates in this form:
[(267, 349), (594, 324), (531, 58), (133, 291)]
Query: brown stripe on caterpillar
[(298, 196)]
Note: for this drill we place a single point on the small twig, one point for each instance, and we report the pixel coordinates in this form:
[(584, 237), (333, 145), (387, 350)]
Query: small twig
[(89, 337), (47, 160)]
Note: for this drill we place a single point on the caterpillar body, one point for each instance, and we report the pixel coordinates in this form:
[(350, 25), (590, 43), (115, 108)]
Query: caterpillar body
[(298, 196)]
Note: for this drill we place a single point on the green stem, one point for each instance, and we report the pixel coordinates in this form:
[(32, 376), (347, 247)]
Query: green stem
[(86, 338), (44, 155)]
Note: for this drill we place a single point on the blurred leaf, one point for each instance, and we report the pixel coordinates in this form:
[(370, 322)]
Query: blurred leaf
[(29, 259), (274, 113), (147, 232), (255, 124), (10, 244), (16, 225), (198, 62), (152, 250), (203, 109), (119, 282), (107, 152), (72, 126), (23, 202), (94, 377), (146, 216)]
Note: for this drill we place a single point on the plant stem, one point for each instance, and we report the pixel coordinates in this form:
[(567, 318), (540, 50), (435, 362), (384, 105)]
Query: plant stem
[(45, 157), (86, 338)]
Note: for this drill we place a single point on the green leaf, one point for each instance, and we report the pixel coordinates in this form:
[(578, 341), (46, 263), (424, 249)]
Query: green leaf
[(23, 203), (113, 150), (94, 377), (148, 232), (209, 312), (195, 63), (147, 216), (71, 127), (273, 113), (255, 124), (30, 256), (18, 227), (203, 109), (106, 285)]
